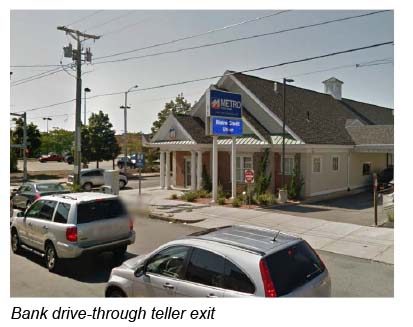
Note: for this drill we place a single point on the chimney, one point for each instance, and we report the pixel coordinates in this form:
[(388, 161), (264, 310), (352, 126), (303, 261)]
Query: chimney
[(332, 86)]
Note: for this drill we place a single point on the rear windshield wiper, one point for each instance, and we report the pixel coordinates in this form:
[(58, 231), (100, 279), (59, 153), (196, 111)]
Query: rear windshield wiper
[(314, 272)]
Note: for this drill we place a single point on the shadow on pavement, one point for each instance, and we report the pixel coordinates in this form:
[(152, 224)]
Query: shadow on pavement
[(88, 269), (298, 208), (353, 202)]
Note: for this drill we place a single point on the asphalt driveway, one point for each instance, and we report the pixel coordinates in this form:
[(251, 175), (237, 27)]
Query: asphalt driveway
[(355, 209)]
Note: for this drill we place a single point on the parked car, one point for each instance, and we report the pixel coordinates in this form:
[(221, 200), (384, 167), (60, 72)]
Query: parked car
[(29, 192), (51, 157), (131, 161), (68, 226), (93, 177), (385, 177), (68, 158), (231, 261)]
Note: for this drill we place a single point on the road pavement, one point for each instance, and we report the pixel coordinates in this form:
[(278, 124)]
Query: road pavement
[(351, 277)]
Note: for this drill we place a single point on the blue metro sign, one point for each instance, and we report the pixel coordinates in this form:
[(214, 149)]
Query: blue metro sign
[(225, 104)]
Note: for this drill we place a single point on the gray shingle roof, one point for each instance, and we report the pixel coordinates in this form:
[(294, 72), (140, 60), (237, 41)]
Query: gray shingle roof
[(195, 127), (317, 118), (372, 134)]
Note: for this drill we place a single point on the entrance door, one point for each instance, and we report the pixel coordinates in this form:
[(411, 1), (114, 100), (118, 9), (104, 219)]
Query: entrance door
[(188, 181)]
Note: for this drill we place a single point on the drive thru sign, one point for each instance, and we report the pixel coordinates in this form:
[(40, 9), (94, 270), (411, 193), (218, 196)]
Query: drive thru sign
[(249, 176)]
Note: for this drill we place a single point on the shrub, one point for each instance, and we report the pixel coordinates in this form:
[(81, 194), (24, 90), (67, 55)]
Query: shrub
[(13, 161), (190, 196), (174, 196), (262, 179), (75, 188), (221, 201), (236, 203), (265, 199), (206, 180), (295, 185), (202, 193)]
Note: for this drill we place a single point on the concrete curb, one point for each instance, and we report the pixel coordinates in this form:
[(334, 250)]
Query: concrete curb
[(170, 218)]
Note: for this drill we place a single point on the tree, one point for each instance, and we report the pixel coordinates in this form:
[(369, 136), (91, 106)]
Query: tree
[(263, 180), (179, 106), (57, 140), (98, 139), (33, 136)]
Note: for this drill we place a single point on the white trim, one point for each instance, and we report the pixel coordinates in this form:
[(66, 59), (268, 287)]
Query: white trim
[(253, 129), (338, 163), (312, 165), (168, 122), (263, 106), (241, 157), (287, 156)]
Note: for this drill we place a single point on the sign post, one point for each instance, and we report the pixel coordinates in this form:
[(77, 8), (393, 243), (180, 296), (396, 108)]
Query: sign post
[(249, 179), (140, 163), (375, 185), (224, 118)]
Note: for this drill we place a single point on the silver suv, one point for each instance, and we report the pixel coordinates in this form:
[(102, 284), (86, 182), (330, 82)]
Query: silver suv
[(232, 261), (70, 225), (93, 177)]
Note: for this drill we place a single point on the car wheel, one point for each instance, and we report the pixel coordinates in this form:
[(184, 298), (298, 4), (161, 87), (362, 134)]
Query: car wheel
[(15, 242), (119, 252), (115, 293), (51, 257), (87, 187), (122, 184)]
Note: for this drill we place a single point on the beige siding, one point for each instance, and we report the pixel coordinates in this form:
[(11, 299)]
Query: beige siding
[(378, 163)]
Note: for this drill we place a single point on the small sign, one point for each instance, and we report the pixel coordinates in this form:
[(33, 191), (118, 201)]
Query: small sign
[(249, 176), (224, 104), (223, 126), (140, 160)]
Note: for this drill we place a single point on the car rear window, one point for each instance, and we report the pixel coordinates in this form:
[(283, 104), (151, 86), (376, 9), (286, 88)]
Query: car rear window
[(99, 210), (293, 267), (49, 187)]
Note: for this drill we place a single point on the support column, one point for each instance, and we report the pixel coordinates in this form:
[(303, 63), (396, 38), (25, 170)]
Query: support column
[(193, 170), (174, 168), (233, 169), (214, 168), (168, 170), (199, 170), (162, 169)]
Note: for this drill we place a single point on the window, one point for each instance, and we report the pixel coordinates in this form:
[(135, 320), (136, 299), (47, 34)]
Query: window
[(316, 165), (206, 268), (47, 210), (236, 280), (335, 163), (289, 165), (62, 212), (168, 262), (243, 162), (49, 187), (99, 210), (34, 210), (293, 267), (366, 168)]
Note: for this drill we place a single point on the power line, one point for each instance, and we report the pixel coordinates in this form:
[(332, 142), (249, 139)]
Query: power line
[(331, 54), (84, 17), (53, 72), (240, 39), (194, 36), (109, 21), (124, 27)]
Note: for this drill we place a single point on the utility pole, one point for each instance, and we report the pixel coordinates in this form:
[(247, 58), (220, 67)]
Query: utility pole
[(76, 55), (86, 90), (125, 136), (24, 145)]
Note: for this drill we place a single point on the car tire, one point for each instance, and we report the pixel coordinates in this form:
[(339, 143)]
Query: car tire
[(119, 253), (122, 184), (115, 293), (51, 259), (15, 242), (87, 187)]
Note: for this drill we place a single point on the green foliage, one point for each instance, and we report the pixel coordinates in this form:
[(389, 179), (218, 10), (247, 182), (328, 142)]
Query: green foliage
[(295, 185), (75, 188), (236, 203), (221, 201), (179, 106), (57, 140), (98, 139), (33, 137), (190, 196), (13, 161), (222, 193), (265, 199), (174, 196), (206, 180), (262, 180), (203, 193)]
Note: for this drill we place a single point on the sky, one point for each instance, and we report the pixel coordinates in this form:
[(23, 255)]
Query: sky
[(35, 40)]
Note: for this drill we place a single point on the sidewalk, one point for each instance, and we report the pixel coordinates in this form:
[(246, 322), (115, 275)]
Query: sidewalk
[(348, 239)]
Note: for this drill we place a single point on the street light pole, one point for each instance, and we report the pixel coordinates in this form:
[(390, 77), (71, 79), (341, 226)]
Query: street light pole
[(47, 123), (285, 81), (125, 118), (84, 108)]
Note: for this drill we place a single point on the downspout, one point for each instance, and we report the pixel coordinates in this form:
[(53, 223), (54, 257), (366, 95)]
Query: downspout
[(348, 170)]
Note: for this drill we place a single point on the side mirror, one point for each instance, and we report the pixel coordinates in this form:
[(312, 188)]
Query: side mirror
[(140, 271), (20, 214)]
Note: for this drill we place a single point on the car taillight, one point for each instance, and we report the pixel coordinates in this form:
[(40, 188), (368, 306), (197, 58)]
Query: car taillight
[(269, 288), (130, 225), (71, 234), (37, 196)]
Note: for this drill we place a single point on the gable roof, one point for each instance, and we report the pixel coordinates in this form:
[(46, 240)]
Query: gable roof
[(195, 127), (372, 134), (317, 118)]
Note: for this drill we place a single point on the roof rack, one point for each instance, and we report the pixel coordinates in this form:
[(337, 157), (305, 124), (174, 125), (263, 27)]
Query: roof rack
[(237, 245), (64, 196)]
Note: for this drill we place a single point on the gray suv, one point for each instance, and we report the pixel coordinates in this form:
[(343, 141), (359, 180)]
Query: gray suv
[(71, 225), (232, 261), (94, 177)]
